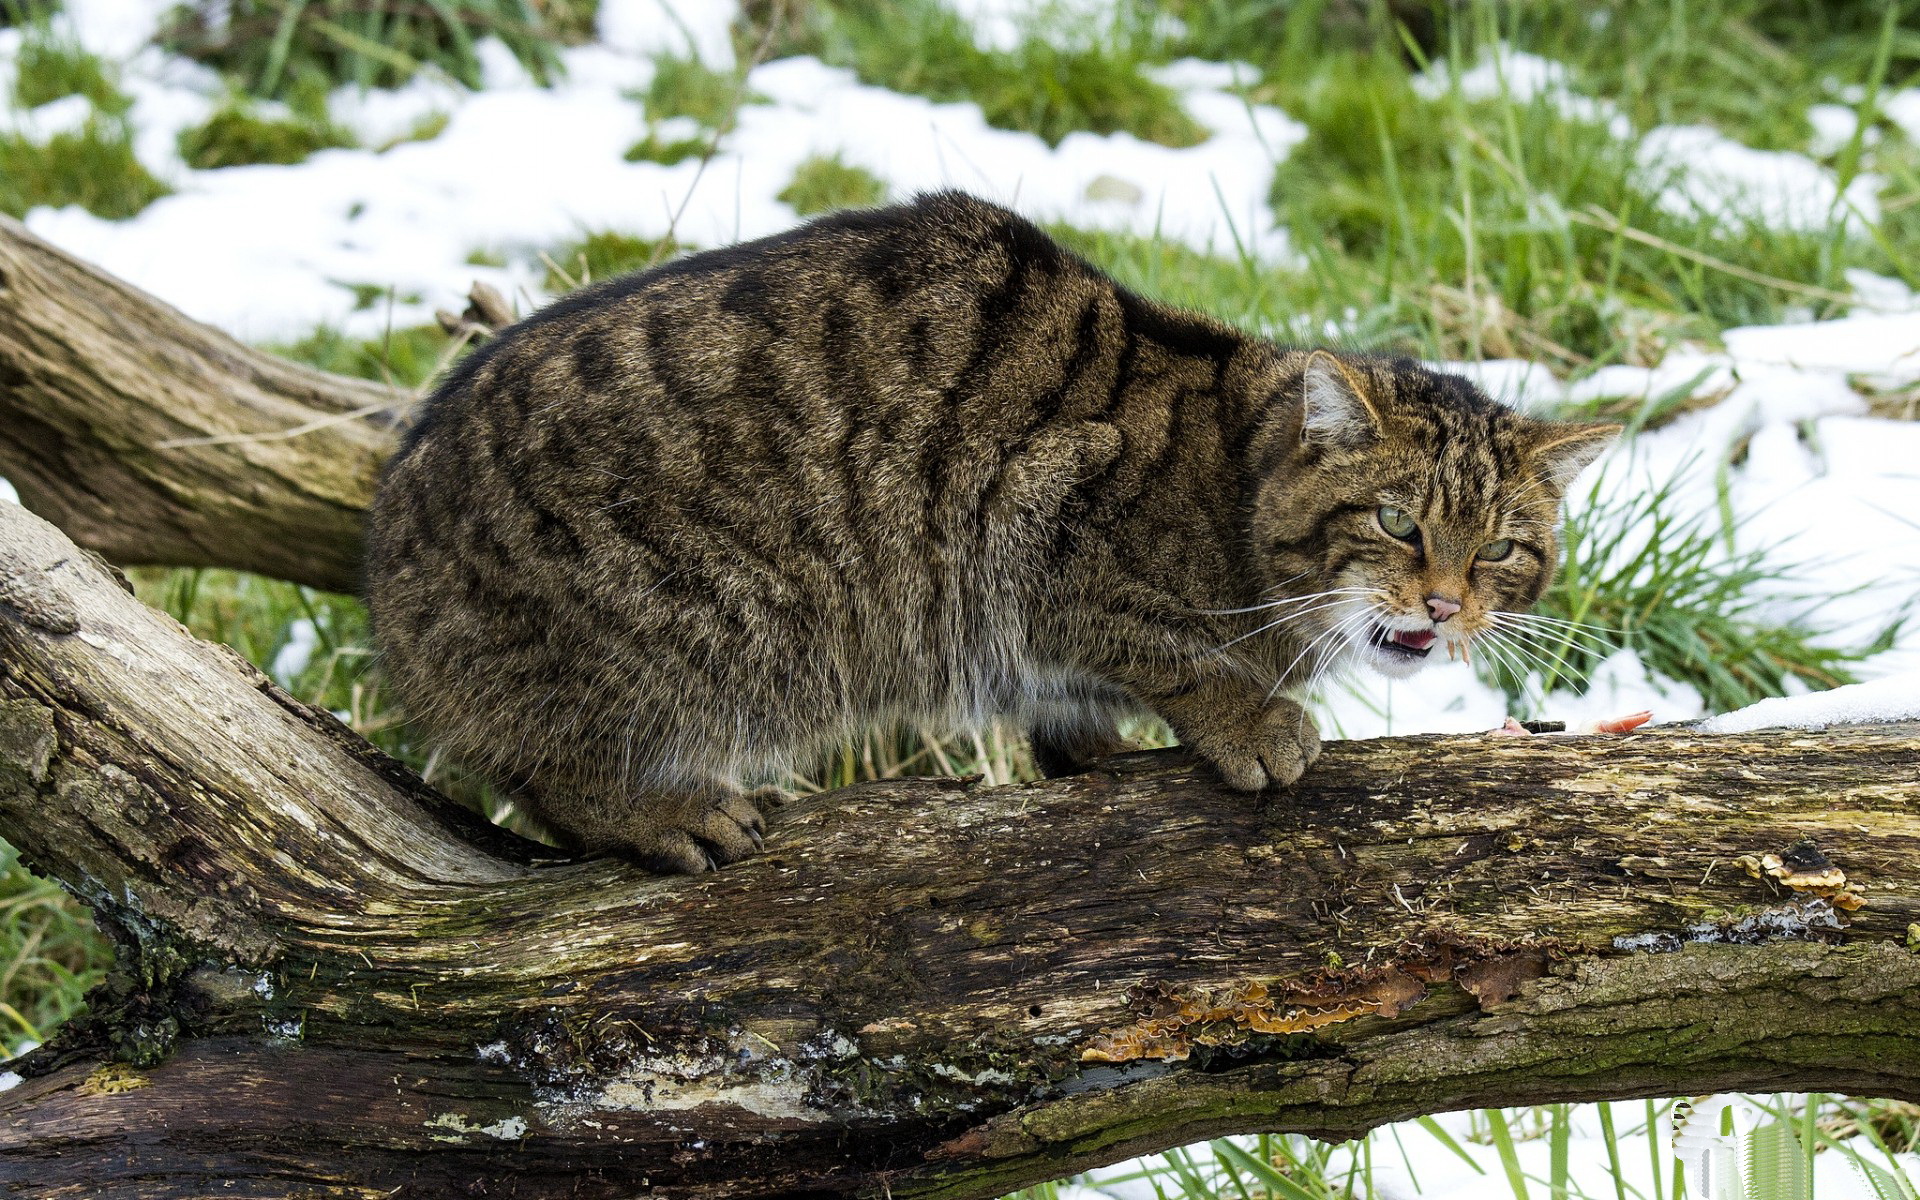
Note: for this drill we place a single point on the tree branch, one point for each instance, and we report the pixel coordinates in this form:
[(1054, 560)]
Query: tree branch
[(119, 416), (330, 978)]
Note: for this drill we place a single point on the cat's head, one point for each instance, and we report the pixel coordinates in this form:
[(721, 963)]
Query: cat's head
[(1409, 513)]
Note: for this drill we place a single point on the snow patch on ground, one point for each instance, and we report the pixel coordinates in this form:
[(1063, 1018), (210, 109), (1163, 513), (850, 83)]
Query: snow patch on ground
[(1711, 174), (520, 168), (1697, 169)]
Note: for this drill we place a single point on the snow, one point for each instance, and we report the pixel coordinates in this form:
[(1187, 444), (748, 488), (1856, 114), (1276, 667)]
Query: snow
[(1894, 698), (69, 114), (1002, 25), (1697, 169), (1903, 109), (1833, 127), (1885, 346), (520, 168), (303, 638), (1527, 386), (700, 29), (1523, 77), (1710, 173)]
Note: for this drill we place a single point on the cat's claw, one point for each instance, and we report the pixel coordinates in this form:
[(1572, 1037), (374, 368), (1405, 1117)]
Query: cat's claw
[(1276, 752)]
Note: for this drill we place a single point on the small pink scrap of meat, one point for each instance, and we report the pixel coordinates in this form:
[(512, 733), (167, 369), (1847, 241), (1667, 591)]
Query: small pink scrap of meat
[(1626, 724)]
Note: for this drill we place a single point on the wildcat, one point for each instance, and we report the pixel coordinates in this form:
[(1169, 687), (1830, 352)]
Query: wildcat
[(681, 531)]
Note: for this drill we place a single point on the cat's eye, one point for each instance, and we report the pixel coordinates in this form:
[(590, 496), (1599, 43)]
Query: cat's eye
[(1495, 551), (1397, 523)]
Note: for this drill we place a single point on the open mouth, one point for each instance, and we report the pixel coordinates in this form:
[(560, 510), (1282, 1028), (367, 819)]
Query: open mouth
[(1410, 644)]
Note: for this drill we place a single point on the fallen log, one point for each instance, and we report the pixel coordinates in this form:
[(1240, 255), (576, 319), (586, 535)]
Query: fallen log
[(330, 978)]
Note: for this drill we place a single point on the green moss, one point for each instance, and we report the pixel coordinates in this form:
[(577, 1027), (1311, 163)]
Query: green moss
[(237, 135), (822, 184), (425, 129), (94, 168)]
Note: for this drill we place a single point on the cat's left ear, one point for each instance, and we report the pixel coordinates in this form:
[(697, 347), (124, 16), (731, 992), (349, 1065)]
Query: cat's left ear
[(1563, 450), (1337, 410)]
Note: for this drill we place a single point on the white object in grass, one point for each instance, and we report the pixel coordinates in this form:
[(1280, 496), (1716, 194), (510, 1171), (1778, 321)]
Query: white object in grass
[(1895, 698), (302, 640), (1706, 1139)]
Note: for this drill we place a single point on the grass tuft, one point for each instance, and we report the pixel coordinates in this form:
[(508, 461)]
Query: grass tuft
[(1639, 575), (1059, 79), (602, 255), (687, 87), (50, 69), (50, 955), (238, 135), (274, 46), (407, 358), (823, 184), (94, 168)]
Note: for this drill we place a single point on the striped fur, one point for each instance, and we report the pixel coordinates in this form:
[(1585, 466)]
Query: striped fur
[(680, 532)]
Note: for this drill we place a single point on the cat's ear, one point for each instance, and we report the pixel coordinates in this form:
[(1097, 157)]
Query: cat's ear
[(1337, 410), (1563, 450)]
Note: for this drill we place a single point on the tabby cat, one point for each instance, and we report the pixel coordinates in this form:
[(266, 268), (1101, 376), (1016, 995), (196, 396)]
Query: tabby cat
[(680, 532)]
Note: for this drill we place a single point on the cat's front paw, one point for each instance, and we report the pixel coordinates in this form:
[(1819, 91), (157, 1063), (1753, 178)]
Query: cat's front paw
[(685, 835), (1273, 749)]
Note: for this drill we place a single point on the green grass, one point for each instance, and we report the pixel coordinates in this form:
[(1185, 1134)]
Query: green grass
[(49, 69), (1059, 79), (237, 135), (271, 47), (687, 87), (1640, 574), (602, 255), (685, 90), (405, 357), (50, 954), (662, 148), (94, 168), (823, 184)]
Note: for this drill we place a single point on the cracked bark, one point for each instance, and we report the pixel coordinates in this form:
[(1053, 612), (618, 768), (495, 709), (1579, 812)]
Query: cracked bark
[(333, 982)]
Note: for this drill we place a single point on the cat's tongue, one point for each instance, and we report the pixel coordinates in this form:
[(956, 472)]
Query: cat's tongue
[(1412, 639)]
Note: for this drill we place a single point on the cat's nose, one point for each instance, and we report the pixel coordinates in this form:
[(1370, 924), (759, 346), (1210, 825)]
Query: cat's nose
[(1442, 608)]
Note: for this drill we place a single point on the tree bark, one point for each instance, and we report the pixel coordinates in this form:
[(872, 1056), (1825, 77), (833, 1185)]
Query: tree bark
[(332, 982), (332, 979), (155, 439)]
